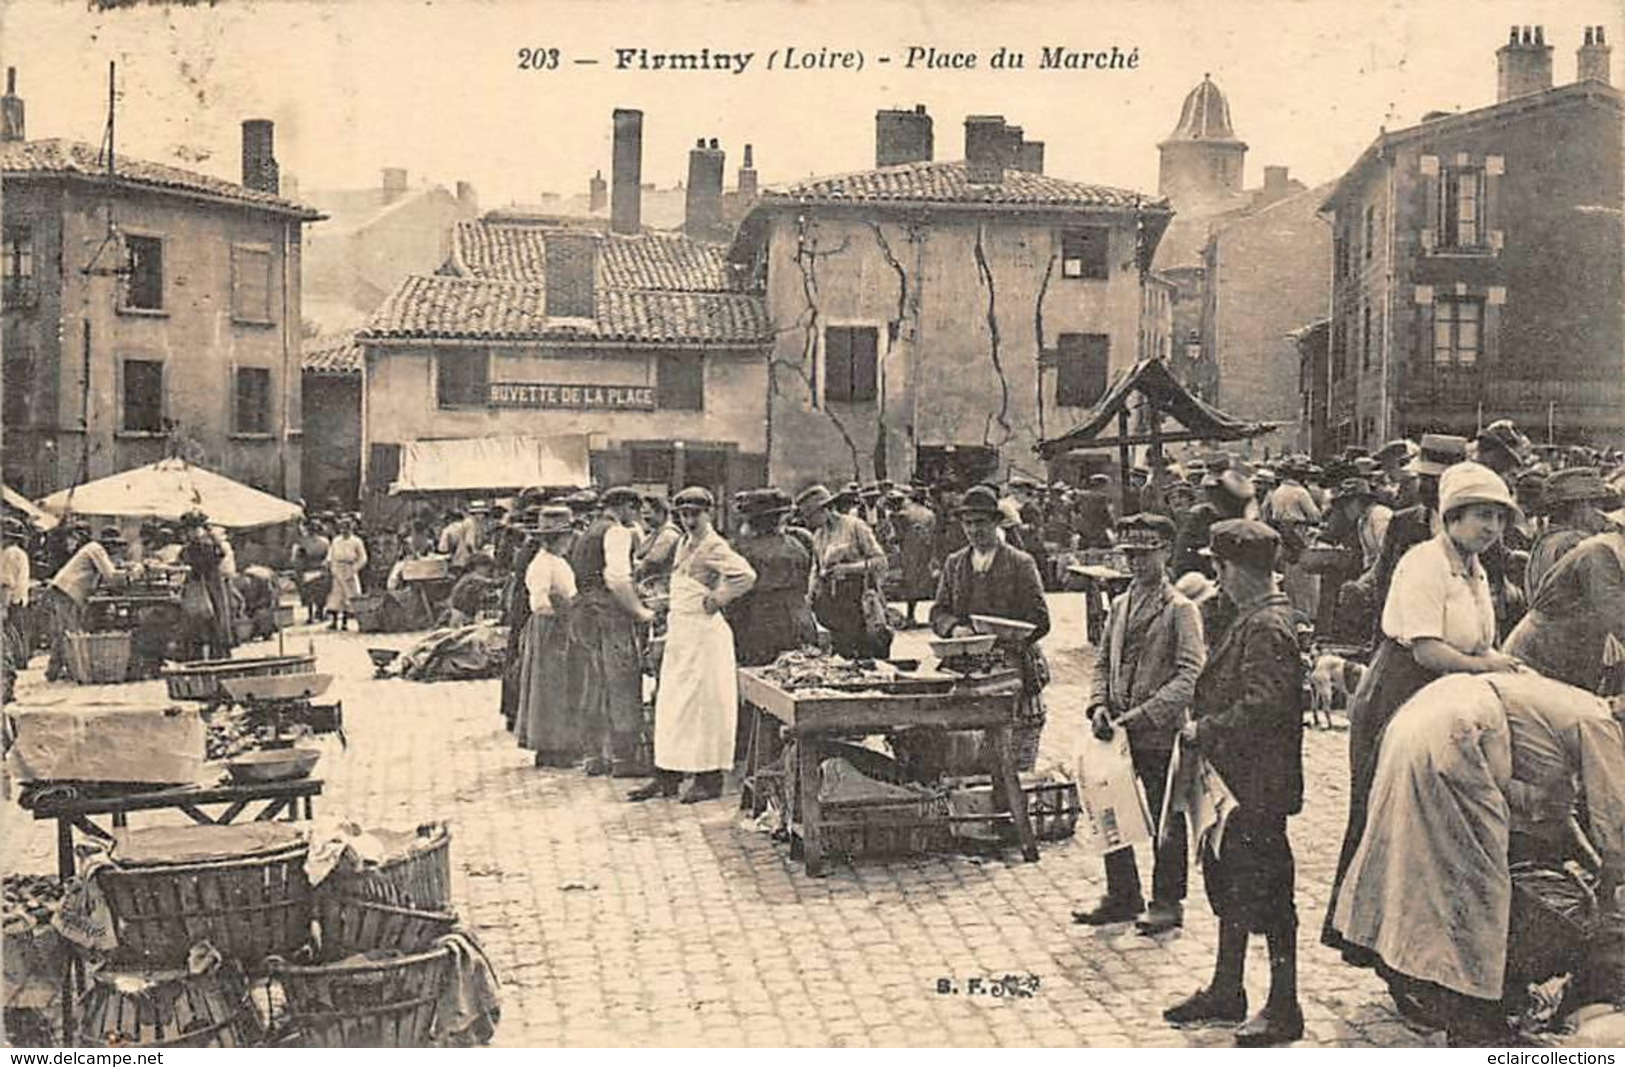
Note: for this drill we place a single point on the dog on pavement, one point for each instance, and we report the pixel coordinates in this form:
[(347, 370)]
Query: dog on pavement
[(1332, 683)]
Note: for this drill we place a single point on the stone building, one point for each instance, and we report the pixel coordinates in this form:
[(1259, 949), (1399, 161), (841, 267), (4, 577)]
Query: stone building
[(147, 311), (925, 309), (332, 420), (1479, 263), (639, 340)]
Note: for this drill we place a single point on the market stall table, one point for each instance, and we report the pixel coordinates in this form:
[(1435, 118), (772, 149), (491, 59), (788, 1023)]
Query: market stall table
[(1100, 584), (822, 716)]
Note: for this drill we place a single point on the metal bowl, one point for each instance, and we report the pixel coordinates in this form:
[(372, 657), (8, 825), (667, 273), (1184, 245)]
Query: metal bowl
[(1002, 629), (273, 765), (951, 647)]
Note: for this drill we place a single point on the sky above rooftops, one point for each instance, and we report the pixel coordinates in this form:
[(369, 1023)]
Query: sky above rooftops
[(433, 87)]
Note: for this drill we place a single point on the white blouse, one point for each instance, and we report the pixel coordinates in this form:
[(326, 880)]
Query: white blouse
[(548, 577), (1437, 593)]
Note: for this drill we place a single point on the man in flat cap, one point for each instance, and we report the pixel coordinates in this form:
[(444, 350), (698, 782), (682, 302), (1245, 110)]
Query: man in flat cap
[(1145, 672)]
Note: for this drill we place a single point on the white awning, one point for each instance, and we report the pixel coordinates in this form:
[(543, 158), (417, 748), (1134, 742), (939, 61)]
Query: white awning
[(470, 464), (169, 489), (15, 501)]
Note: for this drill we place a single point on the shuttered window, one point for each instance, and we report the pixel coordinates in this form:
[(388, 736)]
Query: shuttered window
[(462, 377), (252, 407), (144, 282), (250, 284), (1458, 332), (1084, 253), (680, 383), (17, 267), (851, 364), (1081, 361), (143, 408)]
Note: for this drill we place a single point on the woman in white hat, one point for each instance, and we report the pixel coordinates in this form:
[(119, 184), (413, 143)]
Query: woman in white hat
[(1439, 619)]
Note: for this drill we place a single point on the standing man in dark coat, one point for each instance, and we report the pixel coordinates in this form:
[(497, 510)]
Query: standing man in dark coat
[(1145, 672), (1092, 513), (1245, 720), (1228, 487)]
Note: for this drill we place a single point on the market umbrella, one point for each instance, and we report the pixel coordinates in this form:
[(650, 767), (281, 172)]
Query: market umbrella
[(169, 489), (15, 501)]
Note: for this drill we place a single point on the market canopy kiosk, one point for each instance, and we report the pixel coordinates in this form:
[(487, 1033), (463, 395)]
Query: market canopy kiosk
[(169, 489), (1140, 402)]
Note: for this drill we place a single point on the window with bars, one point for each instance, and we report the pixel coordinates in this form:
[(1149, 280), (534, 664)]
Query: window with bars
[(1461, 208), (251, 412), (17, 267), (144, 284), (851, 364), (680, 383), (143, 408), (251, 284), (1458, 331), (462, 377), (1081, 361), (1084, 253)]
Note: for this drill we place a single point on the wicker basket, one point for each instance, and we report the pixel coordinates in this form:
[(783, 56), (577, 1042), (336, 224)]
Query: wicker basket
[(174, 1010), (99, 658), (202, 681), (350, 926), (363, 1003), (248, 908), (419, 877)]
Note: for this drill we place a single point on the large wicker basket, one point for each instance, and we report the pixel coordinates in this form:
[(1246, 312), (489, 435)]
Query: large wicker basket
[(350, 926), (169, 1010), (99, 658), (248, 908), (202, 681), (418, 877), (361, 1003)]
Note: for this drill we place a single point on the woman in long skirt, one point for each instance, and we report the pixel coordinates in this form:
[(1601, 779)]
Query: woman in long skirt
[(544, 723), (346, 558)]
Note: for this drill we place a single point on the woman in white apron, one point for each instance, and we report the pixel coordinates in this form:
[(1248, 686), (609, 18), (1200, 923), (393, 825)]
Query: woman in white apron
[(697, 703)]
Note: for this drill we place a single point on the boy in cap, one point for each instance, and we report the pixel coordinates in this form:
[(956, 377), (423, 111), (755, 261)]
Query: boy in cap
[(1245, 721), (1145, 672)]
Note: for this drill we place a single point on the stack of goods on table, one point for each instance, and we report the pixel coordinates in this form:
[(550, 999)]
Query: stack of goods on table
[(232, 936), (72, 749), (260, 704), (34, 956)]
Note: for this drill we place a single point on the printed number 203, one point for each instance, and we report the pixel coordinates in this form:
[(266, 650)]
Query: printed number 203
[(538, 59)]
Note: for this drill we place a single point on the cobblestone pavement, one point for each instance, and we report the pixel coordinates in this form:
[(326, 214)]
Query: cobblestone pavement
[(660, 924)]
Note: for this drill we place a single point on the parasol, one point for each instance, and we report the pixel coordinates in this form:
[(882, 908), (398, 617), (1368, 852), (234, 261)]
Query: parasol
[(169, 489)]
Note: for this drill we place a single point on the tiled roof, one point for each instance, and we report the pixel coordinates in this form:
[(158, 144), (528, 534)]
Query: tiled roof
[(62, 157), (336, 356), (947, 183), (432, 307), (516, 252)]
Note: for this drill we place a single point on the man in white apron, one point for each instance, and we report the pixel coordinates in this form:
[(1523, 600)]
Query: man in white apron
[(697, 703)]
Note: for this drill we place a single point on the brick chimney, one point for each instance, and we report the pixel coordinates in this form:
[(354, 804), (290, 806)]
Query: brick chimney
[(747, 176), (626, 173), (393, 183), (702, 207), (572, 270), (987, 149), (11, 109), (1523, 64), (1595, 61), (259, 156), (1030, 156), (903, 136), (597, 193)]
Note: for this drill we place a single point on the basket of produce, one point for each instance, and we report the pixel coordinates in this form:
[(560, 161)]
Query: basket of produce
[(272, 764), (415, 871), (945, 648), (241, 888), (1003, 629), (376, 1000), (204, 680), (349, 925), (169, 1009), (99, 658), (276, 687)]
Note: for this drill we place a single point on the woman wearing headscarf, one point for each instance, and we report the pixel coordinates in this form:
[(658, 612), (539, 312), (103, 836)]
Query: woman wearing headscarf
[(1439, 619), (847, 561), (205, 598), (346, 558), (309, 559), (544, 723), (698, 698)]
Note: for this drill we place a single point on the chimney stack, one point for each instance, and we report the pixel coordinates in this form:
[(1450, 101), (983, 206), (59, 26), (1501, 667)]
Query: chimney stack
[(597, 193), (572, 269), (468, 198), (987, 149), (1030, 156), (747, 177), (1523, 64), (903, 136), (702, 208), (626, 173), (11, 110), (1276, 178), (1595, 60), (394, 183), (259, 156)]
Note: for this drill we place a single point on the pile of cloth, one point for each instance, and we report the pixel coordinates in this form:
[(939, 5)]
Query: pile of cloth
[(479, 650)]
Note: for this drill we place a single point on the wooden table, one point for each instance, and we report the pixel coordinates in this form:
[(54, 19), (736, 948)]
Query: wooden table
[(288, 799), (814, 719)]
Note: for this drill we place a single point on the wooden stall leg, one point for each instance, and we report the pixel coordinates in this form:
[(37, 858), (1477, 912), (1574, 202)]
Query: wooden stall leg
[(1007, 793), (70, 973), (807, 780), (748, 793), (64, 848)]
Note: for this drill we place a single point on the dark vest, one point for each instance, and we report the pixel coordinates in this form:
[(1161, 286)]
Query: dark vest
[(587, 556)]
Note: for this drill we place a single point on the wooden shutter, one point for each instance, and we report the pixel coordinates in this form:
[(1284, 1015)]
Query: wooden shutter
[(250, 284), (837, 364), (1096, 362), (1069, 370), (865, 347)]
